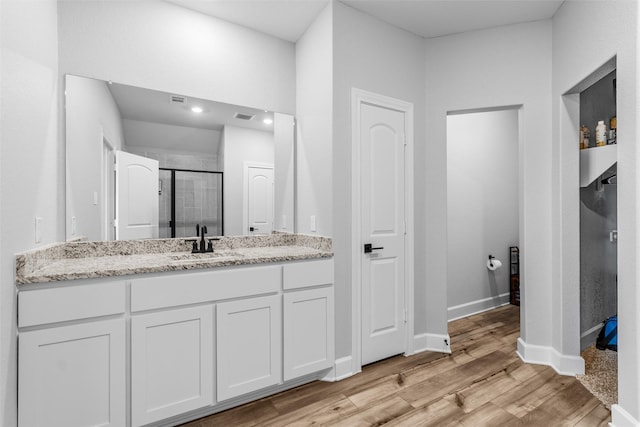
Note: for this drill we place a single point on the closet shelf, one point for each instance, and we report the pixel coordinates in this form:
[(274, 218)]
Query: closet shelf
[(595, 161)]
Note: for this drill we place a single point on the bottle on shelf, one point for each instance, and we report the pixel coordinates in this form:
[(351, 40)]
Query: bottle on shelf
[(585, 133), (613, 128), (601, 134)]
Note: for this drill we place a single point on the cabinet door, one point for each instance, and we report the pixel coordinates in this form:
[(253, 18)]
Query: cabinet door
[(308, 332), (249, 345), (73, 375), (171, 363)]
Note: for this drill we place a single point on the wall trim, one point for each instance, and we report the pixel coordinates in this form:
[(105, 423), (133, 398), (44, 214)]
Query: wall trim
[(621, 418), (478, 306), (431, 342), (341, 370), (542, 355), (359, 97)]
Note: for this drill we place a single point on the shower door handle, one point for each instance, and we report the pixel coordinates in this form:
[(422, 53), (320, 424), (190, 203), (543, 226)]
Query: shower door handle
[(368, 248)]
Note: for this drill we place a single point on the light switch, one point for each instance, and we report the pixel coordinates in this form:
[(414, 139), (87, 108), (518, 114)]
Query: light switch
[(95, 198), (39, 221)]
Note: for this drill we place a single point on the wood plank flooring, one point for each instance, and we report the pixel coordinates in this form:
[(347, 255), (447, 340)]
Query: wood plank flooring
[(482, 383)]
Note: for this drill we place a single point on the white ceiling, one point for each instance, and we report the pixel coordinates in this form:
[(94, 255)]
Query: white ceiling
[(285, 19), (154, 106), (288, 19), (434, 18)]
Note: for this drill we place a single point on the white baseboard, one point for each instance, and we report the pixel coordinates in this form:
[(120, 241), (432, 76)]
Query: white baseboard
[(431, 342), (542, 355), (621, 418), (478, 306), (341, 370)]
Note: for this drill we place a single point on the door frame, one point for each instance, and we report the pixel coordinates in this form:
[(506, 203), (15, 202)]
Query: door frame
[(245, 194), (107, 178), (358, 98)]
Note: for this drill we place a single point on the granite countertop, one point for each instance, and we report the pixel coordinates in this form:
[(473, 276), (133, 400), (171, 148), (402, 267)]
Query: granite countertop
[(84, 260)]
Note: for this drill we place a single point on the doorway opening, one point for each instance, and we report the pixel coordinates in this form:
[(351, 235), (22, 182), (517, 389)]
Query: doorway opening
[(598, 236), (482, 210), (586, 256)]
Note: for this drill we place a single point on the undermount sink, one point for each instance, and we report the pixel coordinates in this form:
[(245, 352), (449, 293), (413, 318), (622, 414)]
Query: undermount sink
[(188, 256)]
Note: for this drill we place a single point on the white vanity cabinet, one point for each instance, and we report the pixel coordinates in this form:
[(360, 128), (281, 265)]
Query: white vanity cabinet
[(171, 363), (164, 348), (249, 345), (73, 373), (308, 316)]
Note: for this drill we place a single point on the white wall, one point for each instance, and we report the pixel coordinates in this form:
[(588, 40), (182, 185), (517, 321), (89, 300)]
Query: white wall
[(571, 64), (377, 57), (31, 159), (503, 66), (314, 106), (158, 45), (241, 145), (482, 208), (91, 114)]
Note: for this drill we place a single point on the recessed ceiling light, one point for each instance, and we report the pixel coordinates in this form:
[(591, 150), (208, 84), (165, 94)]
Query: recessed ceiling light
[(197, 109), (267, 121)]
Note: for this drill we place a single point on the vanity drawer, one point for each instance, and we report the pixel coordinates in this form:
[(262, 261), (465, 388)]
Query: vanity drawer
[(42, 306), (192, 288), (305, 274)]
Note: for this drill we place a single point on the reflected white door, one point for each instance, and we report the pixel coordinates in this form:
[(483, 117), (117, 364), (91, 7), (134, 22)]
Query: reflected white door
[(382, 140), (137, 203), (259, 200)]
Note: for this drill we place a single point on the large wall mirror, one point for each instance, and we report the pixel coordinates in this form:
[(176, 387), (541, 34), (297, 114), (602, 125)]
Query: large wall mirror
[(144, 163)]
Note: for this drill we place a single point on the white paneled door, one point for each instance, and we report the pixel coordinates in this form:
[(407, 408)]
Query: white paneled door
[(382, 143), (137, 200), (259, 199)]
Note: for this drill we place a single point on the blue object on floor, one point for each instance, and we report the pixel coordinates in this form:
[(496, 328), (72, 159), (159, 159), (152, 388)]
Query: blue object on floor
[(608, 336)]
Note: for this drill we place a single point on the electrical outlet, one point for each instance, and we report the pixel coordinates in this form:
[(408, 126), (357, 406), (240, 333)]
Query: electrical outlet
[(312, 223), (38, 230), (74, 226)]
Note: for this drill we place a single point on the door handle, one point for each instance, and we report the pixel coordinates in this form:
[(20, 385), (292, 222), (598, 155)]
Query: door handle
[(368, 248)]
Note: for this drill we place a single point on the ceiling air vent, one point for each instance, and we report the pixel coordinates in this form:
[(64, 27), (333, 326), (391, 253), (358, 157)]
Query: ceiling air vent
[(177, 99), (243, 116)]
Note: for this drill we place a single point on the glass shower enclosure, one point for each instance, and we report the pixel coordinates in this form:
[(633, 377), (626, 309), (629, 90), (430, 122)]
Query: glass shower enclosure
[(187, 198)]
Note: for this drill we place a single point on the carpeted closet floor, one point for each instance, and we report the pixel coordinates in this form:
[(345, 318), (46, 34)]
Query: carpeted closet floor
[(601, 374)]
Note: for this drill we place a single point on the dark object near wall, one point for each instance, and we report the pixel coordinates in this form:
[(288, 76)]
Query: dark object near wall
[(514, 264), (608, 337)]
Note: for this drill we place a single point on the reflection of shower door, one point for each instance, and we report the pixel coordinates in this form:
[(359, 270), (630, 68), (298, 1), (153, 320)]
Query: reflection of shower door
[(189, 198)]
